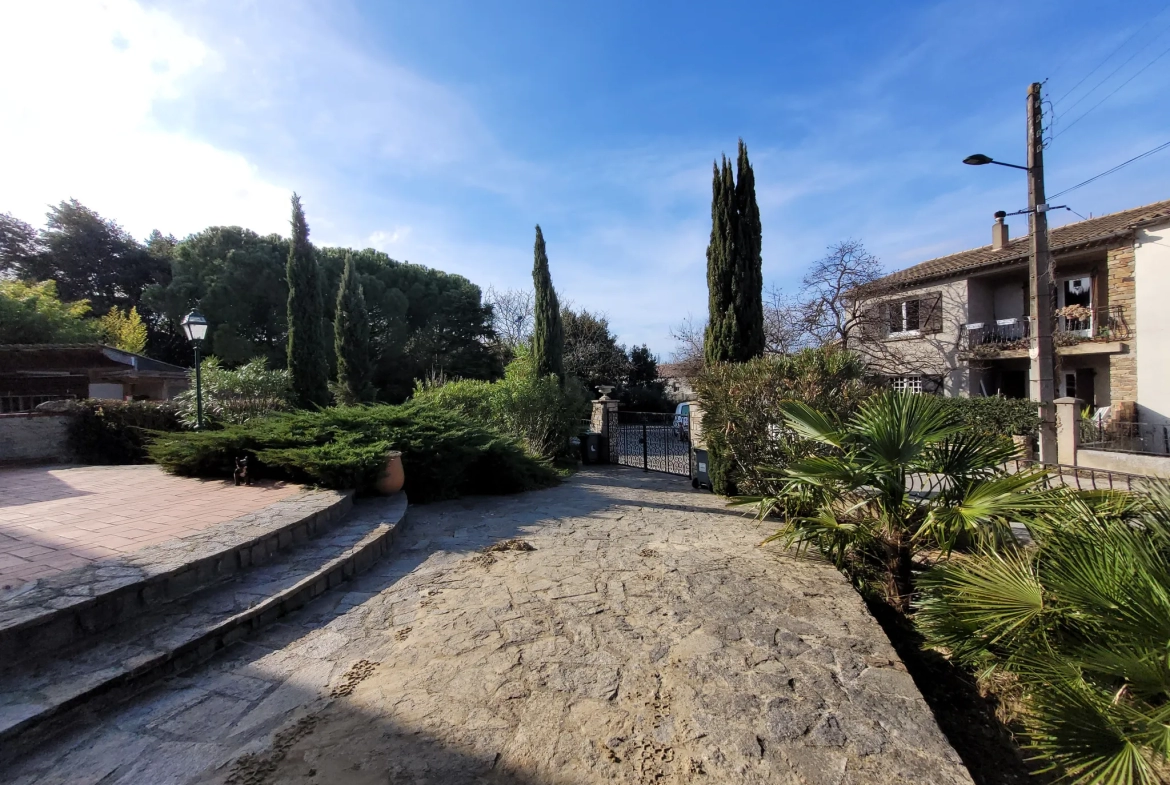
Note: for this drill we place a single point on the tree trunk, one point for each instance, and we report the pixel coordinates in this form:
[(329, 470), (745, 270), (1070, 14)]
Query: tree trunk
[(898, 576)]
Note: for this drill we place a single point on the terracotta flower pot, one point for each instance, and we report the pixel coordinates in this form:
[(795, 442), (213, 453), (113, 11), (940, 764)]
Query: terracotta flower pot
[(391, 479)]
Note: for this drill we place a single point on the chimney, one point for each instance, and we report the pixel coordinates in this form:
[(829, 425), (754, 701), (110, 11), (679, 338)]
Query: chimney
[(999, 232)]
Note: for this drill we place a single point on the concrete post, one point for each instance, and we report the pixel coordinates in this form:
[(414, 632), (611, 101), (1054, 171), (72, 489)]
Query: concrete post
[(1067, 433), (602, 409)]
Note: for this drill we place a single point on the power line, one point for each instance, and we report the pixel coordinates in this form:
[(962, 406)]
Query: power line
[(1112, 92), (1111, 171), (1113, 73), (1109, 56)]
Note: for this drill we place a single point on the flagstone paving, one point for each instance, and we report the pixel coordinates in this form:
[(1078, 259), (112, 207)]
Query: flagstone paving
[(56, 519), (624, 629)]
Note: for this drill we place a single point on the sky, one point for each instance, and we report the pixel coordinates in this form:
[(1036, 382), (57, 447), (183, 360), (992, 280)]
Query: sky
[(442, 132)]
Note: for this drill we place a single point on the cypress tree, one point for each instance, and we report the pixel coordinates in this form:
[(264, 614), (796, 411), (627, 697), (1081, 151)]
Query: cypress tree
[(351, 337), (749, 270), (720, 337), (308, 364), (548, 334), (735, 318)]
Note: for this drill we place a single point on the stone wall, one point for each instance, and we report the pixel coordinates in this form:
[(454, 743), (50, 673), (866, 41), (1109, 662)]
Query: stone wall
[(34, 437), (1121, 292)]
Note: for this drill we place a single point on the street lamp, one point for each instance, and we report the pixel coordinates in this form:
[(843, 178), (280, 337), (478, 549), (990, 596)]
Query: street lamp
[(195, 326), (1041, 352), (979, 159)]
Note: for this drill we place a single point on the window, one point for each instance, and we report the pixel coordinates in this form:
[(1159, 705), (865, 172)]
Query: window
[(1075, 305), (904, 316), (908, 384)]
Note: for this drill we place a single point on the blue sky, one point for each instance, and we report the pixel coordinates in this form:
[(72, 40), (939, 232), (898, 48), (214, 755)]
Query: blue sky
[(441, 131)]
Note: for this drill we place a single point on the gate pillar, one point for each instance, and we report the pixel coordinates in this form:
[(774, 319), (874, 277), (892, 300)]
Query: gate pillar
[(602, 409)]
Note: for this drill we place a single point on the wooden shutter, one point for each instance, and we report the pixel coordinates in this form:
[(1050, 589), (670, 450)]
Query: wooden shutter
[(930, 312), (873, 326)]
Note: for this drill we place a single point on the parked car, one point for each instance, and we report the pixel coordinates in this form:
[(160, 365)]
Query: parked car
[(682, 422)]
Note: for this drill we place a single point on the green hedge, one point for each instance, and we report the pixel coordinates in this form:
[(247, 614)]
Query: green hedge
[(445, 453), (995, 415), (117, 432)]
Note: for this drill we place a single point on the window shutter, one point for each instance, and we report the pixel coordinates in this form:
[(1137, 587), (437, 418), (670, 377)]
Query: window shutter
[(873, 325), (930, 312)]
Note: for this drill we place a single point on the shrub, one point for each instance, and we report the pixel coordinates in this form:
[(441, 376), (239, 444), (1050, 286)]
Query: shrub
[(855, 502), (996, 415), (236, 395), (1080, 623), (534, 409), (117, 432), (742, 422), (445, 454)]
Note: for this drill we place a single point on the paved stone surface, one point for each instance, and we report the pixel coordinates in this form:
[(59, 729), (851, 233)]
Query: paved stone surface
[(644, 639), (54, 519)]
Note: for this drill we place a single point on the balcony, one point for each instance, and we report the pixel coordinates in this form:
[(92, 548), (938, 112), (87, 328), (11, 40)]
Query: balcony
[(1077, 330)]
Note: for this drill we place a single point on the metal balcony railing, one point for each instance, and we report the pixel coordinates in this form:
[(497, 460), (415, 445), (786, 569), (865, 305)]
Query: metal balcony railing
[(1102, 324)]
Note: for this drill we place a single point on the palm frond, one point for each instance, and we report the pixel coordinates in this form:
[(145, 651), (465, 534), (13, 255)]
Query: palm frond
[(808, 423)]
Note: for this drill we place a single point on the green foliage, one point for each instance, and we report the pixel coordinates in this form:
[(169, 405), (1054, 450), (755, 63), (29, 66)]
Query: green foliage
[(900, 475), (548, 335), (351, 338), (1081, 622), (234, 396), (308, 363), (995, 415), (445, 454), (117, 432), (237, 279), (735, 308), (742, 421), (33, 313), (534, 409), (125, 331), (592, 353)]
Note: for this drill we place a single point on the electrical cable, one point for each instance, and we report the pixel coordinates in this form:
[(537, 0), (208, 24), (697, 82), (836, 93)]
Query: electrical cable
[(1111, 171), (1112, 93), (1110, 56), (1112, 73)]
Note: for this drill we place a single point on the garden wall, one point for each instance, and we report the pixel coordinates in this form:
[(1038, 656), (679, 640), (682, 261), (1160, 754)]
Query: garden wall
[(1133, 463), (34, 437)]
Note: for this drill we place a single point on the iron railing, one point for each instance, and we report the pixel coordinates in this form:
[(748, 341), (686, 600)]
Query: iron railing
[(1083, 478), (1135, 437), (1107, 323)]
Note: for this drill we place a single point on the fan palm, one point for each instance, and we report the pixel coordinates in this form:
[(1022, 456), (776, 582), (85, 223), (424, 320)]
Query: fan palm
[(1082, 621), (900, 475)]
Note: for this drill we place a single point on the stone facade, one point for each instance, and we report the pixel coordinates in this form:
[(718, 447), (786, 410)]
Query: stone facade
[(1120, 291)]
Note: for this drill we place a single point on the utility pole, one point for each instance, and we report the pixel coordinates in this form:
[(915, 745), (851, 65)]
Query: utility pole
[(1040, 290)]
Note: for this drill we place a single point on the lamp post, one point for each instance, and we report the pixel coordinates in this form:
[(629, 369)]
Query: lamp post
[(1040, 292), (195, 326)]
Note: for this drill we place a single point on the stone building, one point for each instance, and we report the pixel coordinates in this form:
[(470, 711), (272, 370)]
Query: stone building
[(959, 325)]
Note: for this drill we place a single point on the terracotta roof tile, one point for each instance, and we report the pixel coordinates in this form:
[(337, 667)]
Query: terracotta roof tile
[(1082, 233)]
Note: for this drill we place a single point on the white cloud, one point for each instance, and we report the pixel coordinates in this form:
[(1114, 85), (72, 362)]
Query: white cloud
[(77, 120)]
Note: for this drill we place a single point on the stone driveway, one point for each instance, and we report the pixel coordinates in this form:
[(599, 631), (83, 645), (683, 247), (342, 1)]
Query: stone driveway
[(644, 638), (54, 519)]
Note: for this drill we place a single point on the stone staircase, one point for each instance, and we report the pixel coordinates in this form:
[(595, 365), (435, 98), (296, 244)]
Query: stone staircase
[(71, 644)]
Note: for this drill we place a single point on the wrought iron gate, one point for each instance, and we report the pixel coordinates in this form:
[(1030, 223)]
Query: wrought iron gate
[(651, 441)]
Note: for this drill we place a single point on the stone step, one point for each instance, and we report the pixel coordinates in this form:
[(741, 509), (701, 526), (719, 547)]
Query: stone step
[(53, 614), (38, 697)]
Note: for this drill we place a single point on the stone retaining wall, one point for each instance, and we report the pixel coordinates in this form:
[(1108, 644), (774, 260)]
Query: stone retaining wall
[(34, 437)]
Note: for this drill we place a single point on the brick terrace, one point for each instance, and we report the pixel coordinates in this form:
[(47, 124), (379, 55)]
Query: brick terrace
[(56, 519)]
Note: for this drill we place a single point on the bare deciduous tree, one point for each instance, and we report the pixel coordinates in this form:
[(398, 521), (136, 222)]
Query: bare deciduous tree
[(833, 310), (513, 313), (688, 354)]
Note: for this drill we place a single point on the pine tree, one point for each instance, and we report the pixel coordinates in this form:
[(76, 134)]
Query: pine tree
[(749, 271), (308, 364), (351, 337), (548, 335)]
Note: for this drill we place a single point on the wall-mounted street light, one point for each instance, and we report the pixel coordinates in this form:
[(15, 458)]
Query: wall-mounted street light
[(195, 326)]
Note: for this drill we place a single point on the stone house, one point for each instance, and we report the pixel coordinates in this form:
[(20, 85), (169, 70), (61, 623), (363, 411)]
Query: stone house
[(959, 325)]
